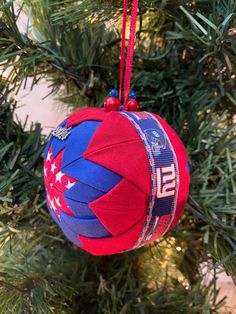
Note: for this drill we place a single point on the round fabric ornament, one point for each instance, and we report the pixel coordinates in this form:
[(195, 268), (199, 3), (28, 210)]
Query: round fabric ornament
[(115, 180)]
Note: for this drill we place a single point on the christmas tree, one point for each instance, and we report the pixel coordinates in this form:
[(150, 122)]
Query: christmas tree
[(185, 71)]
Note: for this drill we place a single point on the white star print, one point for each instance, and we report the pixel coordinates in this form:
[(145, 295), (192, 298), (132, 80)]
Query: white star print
[(49, 156), (69, 184), (59, 175), (53, 167), (52, 204), (45, 171), (57, 201)]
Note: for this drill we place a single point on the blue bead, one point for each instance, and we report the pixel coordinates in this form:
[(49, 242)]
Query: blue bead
[(113, 93), (121, 107), (132, 95)]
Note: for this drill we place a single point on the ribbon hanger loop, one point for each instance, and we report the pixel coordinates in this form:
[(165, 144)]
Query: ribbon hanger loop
[(125, 79)]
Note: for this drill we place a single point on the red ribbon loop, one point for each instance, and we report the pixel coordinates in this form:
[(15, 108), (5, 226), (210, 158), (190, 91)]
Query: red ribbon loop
[(130, 49)]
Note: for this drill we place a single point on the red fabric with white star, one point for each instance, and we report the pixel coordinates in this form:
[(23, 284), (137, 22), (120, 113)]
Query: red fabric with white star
[(57, 183)]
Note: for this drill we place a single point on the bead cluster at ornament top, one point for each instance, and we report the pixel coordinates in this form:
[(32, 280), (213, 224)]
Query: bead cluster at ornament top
[(112, 103)]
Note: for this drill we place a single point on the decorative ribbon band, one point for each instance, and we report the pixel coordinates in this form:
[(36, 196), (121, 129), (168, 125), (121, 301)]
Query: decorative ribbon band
[(164, 175)]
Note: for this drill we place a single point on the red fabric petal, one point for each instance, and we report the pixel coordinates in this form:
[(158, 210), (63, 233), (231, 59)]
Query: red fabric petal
[(113, 245), (114, 129), (121, 208), (85, 114), (117, 146)]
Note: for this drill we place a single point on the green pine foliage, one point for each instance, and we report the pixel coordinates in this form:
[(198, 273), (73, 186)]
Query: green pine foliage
[(184, 70)]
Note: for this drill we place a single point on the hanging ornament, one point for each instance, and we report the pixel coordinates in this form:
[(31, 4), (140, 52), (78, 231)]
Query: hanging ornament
[(116, 178)]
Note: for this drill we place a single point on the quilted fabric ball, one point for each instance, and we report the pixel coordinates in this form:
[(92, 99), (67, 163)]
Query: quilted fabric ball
[(115, 180)]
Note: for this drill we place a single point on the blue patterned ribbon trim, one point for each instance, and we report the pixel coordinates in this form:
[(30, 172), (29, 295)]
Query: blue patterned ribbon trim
[(164, 174)]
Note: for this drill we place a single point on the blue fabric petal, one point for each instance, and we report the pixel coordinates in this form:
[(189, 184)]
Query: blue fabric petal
[(58, 145), (82, 193), (46, 149), (87, 227), (81, 210), (92, 174), (70, 234), (78, 141), (52, 213)]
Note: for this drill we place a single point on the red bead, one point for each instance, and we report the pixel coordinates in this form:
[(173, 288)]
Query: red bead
[(111, 104), (132, 105)]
